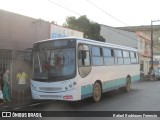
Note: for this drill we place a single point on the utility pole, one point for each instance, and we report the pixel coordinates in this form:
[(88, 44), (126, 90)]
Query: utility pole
[(151, 45), (152, 42)]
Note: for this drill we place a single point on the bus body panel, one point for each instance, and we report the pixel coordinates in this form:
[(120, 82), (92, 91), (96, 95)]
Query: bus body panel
[(56, 90), (111, 77), (110, 80)]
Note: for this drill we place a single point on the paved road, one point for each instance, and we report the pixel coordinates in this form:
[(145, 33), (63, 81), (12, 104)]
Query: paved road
[(144, 96)]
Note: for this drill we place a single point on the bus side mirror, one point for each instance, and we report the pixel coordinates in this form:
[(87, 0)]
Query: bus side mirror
[(82, 55)]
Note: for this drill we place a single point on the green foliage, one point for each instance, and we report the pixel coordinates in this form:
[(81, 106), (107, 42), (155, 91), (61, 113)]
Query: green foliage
[(90, 29)]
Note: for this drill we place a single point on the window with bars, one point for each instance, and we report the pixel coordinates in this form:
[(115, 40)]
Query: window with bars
[(5, 59)]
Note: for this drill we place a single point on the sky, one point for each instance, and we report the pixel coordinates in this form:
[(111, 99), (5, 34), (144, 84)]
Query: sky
[(116, 13)]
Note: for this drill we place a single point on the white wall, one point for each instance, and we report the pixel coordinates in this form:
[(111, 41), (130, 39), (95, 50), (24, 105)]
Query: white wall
[(59, 32)]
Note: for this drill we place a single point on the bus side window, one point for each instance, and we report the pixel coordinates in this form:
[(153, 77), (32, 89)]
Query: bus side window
[(137, 56), (126, 57), (118, 56), (97, 56), (84, 60), (108, 54), (133, 57), (84, 56)]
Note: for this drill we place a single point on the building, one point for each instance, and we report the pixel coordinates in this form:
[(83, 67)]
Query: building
[(119, 37), (144, 50), (57, 31), (147, 31), (156, 38), (133, 39), (17, 35)]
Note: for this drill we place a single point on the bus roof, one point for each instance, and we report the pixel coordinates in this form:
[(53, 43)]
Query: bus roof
[(93, 42)]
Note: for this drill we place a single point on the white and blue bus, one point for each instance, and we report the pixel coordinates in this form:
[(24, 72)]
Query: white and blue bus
[(75, 68)]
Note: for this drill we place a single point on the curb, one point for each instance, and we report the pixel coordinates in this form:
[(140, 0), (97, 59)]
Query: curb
[(14, 104)]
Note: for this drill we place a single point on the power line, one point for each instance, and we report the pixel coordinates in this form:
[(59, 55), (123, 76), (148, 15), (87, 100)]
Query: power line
[(106, 12), (59, 4), (67, 3), (115, 19), (64, 7)]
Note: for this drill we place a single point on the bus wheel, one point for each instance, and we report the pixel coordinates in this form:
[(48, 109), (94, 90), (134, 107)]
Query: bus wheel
[(127, 87), (97, 92)]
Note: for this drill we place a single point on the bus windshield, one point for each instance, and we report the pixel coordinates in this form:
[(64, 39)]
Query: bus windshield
[(53, 64)]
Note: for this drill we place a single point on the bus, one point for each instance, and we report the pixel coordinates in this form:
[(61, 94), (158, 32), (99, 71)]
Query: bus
[(72, 69)]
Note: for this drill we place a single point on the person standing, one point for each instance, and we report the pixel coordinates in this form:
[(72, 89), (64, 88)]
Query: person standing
[(1, 80), (6, 96), (21, 77), (1, 93)]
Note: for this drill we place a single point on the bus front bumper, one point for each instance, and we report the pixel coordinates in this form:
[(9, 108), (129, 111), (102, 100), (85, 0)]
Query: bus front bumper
[(71, 95)]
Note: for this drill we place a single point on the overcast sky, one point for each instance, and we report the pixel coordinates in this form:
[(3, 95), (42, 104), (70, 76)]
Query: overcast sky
[(113, 12)]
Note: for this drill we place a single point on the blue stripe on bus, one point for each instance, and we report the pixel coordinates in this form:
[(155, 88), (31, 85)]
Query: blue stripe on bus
[(113, 84), (113, 88), (86, 95), (86, 91)]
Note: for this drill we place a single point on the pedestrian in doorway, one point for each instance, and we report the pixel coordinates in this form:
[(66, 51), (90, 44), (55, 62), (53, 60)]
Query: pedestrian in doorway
[(6, 83), (22, 82), (1, 95), (1, 80), (1, 87)]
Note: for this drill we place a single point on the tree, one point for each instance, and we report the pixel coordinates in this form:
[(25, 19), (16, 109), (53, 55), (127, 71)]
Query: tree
[(90, 29)]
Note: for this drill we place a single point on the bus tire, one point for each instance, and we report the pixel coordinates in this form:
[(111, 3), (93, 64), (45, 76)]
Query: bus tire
[(97, 92), (127, 87)]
